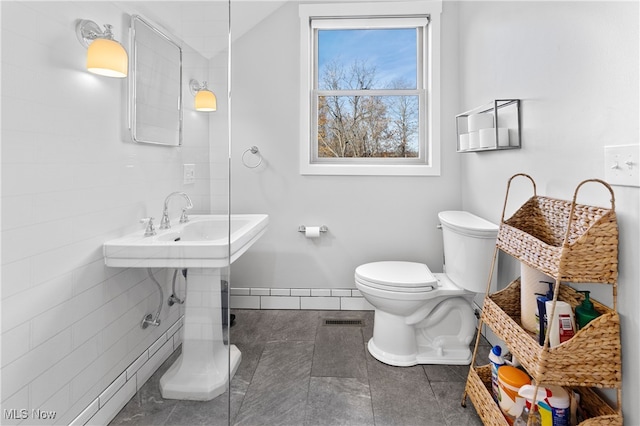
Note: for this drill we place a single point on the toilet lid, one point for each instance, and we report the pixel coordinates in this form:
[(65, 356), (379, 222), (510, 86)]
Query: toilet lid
[(408, 275)]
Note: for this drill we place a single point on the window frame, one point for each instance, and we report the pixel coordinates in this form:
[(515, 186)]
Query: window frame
[(314, 16)]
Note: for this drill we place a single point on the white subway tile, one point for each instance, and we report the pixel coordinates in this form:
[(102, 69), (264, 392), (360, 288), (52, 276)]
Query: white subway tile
[(320, 292), (64, 259), (62, 372), (51, 322), (147, 369), (356, 293), (89, 301), (135, 366), (244, 302), (101, 372), (14, 218), (114, 405), (175, 327), (35, 362), (280, 292), (178, 338), (355, 304), (47, 412), (29, 303), (50, 235), (260, 291), (340, 292), (16, 277), (157, 344), (236, 291), (17, 401), (15, 343), (87, 413), (301, 292), (277, 302), (112, 389), (324, 303)]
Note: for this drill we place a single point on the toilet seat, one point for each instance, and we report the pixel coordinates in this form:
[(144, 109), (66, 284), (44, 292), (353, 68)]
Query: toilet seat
[(397, 276)]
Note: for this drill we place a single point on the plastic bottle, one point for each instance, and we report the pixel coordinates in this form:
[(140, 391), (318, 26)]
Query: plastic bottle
[(555, 408), (541, 312), (553, 404), (585, 312), (529, 411), (562, 326), (496, 360)]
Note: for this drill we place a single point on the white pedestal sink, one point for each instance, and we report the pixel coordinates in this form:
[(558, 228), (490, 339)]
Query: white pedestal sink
[(201, 246)]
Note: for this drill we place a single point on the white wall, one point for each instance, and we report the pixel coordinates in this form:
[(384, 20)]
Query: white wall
[(369, 218), (575, 67), (70, 181)]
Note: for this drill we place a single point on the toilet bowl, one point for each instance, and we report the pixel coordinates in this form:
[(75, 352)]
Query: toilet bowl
[(426, 318)]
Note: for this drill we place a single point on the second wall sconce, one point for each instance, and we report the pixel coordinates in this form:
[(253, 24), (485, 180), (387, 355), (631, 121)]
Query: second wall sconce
[(205, 100), (105, 56)]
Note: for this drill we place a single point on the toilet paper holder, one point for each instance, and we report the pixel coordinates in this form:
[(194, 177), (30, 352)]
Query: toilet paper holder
[(303, 228)]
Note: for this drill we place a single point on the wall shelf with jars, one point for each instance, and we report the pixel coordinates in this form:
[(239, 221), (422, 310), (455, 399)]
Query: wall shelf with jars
[(491, 127)]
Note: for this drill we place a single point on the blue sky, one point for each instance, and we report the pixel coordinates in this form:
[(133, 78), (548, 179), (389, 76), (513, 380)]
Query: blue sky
[(391, 51)]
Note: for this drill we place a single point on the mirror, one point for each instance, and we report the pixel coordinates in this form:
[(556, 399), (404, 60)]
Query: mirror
[(155, 85)]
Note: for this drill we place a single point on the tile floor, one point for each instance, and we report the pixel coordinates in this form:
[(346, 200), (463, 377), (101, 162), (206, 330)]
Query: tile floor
[(296, 371)]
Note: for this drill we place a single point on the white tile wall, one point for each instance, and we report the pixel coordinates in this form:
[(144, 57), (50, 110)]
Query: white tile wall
[(298, 298), (70, 181), (332, 303)]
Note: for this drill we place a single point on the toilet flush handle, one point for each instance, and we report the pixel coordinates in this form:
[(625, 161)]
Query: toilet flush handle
[(439, 226)]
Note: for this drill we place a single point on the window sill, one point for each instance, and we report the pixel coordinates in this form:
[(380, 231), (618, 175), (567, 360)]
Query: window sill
[(369, 170)]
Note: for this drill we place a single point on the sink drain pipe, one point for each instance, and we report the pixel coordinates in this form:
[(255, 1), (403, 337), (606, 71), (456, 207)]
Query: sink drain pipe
[(150, 319), (173, 299)]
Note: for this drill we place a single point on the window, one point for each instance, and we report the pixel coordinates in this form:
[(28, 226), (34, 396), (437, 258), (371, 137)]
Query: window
[(369, 87)]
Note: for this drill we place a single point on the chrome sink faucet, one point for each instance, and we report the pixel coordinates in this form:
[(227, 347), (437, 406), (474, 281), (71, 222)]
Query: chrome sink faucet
[(165, 223)]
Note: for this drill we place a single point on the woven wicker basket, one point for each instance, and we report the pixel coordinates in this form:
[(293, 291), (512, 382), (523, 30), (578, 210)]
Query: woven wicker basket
[(590, 358), (478, 388), (565, 240)]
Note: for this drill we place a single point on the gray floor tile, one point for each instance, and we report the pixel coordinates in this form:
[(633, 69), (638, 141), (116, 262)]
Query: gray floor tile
[(296, 371), (402, 396), (277, 394), (335, 401), (339, 352), (252, 326), (295, 326), (449, 396), (446, 373), (200, 413)]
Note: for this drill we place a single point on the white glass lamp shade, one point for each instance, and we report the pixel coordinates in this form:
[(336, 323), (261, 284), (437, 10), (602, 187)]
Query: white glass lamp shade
[(205, 100), (107, 57)]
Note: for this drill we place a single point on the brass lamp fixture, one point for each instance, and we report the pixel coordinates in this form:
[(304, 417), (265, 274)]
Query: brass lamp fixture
[(105, 56), (204, 99)]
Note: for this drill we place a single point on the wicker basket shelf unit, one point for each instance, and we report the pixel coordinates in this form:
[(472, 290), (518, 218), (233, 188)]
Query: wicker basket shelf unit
[(597, 411), (572, 243)]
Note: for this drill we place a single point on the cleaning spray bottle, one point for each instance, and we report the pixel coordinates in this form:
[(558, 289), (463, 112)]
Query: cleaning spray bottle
[(585, 312), (529, 413), (552, 403), (497, 360)]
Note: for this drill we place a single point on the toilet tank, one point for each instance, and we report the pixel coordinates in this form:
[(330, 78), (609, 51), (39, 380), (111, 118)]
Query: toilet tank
[(469, 243)]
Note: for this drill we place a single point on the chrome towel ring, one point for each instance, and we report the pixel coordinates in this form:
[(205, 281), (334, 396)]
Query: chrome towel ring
[(254, 150)]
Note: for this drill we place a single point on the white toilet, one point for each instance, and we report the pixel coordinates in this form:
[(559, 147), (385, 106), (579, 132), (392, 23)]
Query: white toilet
[(425, 318)]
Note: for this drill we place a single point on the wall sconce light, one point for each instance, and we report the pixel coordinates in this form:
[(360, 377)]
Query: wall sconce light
[(105, 56), (205, 99)]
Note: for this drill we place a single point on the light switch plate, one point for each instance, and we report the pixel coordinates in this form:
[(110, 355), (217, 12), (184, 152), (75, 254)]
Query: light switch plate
[(189, 173), (622, 165)]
